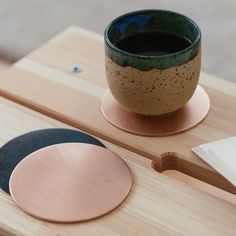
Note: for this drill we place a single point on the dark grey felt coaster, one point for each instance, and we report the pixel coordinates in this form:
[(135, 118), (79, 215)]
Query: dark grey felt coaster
[(20, 147)]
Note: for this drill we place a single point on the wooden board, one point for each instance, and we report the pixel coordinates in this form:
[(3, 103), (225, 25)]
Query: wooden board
[(43, 81), (157, 205)]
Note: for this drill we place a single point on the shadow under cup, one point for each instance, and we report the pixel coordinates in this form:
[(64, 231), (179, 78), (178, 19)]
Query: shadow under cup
[(152, 84)]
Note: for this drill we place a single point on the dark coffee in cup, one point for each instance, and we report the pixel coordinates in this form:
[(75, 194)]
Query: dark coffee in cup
[(153, 43)]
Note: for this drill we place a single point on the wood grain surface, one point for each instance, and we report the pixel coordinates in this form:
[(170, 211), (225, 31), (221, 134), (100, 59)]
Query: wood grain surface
[(157, 205), (44, 82)]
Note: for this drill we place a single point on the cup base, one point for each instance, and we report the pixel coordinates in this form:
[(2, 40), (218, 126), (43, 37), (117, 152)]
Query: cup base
[(185, 118)]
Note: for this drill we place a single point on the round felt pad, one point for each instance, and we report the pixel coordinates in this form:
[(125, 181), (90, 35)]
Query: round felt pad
[(20, 147), (70, 182), (185, 118)]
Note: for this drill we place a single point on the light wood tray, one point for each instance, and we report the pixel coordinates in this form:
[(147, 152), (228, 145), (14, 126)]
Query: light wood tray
[(43, 81), (159, 203)]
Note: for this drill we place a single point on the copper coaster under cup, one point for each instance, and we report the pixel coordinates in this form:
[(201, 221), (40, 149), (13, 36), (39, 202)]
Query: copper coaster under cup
[(187, 117), (70, 182)]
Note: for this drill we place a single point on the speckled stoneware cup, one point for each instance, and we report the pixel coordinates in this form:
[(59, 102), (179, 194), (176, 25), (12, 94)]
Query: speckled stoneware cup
[(152, 85)]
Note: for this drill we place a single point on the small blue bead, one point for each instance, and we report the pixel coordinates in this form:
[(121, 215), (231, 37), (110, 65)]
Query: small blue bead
[(76, 69)]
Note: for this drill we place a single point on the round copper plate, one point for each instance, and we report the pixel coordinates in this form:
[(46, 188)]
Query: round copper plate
[(185, 118), (70, 182)]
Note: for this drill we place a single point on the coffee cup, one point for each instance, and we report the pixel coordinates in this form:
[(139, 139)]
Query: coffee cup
[(153, 60)]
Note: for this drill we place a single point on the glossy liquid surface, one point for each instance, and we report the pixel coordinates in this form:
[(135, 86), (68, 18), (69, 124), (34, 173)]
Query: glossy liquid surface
[(153, 43)]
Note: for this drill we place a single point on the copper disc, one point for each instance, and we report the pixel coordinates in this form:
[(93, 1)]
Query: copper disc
[(187, 117), (70, 182)]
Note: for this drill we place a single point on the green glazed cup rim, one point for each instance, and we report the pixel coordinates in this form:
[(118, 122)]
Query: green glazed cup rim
[(107, 40)]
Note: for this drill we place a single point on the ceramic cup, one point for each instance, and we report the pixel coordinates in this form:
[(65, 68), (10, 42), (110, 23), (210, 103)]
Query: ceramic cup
[(152, 85)]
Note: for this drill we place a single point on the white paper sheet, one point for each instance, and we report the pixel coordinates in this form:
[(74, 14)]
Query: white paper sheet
[(221, 155)]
